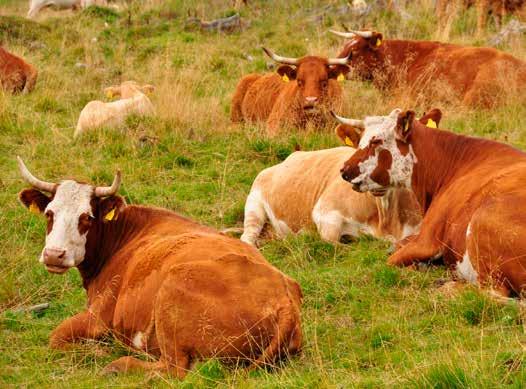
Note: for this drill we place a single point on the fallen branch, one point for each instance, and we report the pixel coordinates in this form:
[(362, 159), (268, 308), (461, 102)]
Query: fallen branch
[(230, 24), (33, 308)]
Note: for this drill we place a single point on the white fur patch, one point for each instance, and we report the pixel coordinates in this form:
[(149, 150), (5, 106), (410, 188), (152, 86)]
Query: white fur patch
[(339, 225), (138, 341), (465, 268), (71, 200), (256, 203)]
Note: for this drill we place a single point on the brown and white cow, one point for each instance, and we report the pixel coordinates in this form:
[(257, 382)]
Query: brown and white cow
[(306, 191), (161, 283), (477, 76), (302, 91), (16, 75), (470, 189)]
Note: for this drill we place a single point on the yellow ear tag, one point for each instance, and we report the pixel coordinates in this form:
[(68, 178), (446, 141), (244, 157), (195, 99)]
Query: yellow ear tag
[(285, 78), (110, 215), (33, 208), (340, 77), (348, 141), (378, 43), (109, 94), (406, 127), (431, 123)]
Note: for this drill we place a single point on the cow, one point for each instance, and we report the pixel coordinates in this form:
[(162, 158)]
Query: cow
[(446, 10), (477, 76), (160, 283), (303, 91), (16, 75), (306, 192), (470, 190), (133, 100), (35, 6)]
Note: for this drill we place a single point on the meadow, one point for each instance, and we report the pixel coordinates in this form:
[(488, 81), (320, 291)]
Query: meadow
[(365, 324)]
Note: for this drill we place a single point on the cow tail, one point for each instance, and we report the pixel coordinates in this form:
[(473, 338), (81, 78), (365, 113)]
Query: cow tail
[(255, 217)]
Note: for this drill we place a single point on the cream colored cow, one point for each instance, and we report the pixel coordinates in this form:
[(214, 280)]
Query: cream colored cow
[(306, 191), (133, 100)]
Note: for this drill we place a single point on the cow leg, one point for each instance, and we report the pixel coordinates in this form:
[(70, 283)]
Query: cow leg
[(132, 364), (35, 8), (84, 325), (255, 218), (417, 250)]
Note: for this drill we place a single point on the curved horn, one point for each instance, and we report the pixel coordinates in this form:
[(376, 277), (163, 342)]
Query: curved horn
[(350, 122), (32, 180), (280, 59), (353, 33), (338, 61), (104, 191)]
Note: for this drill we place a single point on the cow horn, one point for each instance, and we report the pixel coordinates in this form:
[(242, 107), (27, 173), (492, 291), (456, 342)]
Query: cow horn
[(350, 122), (338, 61), (32, 180), (353, 33), (280, 59), (104, 191)]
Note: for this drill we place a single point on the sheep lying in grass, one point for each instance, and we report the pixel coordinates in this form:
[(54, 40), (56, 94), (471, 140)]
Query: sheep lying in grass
[(133, 100), (35, 6)]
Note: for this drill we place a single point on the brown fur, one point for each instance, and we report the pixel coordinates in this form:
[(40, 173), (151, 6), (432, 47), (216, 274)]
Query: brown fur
[(267, 98), (192, 292), (16, 75), (475, 76)]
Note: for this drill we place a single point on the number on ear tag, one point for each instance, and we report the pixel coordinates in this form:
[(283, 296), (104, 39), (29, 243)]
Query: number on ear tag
[(348, 141), (378, 43), (33, 208), (110, 215), (285, 78), (340, 77), (431, 123)]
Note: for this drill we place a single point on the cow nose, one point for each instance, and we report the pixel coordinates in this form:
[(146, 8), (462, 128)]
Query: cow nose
[(310, 101), (356, 186), (54, 256), (345, 175)]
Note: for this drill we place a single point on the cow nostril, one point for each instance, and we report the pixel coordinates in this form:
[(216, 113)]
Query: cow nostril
[(62, 254)]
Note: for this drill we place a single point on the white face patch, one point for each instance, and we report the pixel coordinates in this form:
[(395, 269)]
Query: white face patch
[(71, 200), (383, 128)]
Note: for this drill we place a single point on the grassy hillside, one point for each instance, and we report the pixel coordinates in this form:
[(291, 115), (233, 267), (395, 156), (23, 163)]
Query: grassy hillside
[(365, 324)]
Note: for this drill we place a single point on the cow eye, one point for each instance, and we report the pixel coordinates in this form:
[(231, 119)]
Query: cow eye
[(324, 84), (300, 83), (49, 214)]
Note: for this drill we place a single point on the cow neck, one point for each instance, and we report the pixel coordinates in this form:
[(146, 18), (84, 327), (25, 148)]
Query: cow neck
[(398, 55), (442, 157)]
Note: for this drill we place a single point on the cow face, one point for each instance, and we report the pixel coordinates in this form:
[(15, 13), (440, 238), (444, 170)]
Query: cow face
[(128, 89), (385, 157), (312, 75), (364, 51), (72, 210)]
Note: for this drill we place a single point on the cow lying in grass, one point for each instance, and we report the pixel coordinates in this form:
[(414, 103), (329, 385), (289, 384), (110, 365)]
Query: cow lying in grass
[(16, 75), (477, 76), (304, 90), (470, 189), (133, 100), (35, 6), (306, 191), (161, 283)]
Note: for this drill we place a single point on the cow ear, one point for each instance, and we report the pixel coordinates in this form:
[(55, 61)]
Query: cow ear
[(431, 118), (34, 200), (338, 72), (112, 91), (404, 125), (148, 89), (349, 135), (376, 40), (287, 72), (110, 208)]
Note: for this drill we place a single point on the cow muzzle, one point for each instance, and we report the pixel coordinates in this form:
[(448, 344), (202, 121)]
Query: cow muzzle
[(310, 103), (53, 258)]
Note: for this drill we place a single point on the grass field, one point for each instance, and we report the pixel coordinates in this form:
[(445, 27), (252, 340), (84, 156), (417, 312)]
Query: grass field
[(365, 324)]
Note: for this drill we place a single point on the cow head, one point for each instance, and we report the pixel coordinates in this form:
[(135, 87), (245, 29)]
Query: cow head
[(384, 157), (311, 74), (363, 51), (72, 209), (128, 89)]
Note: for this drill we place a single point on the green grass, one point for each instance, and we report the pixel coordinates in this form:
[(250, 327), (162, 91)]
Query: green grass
[(365, 324)]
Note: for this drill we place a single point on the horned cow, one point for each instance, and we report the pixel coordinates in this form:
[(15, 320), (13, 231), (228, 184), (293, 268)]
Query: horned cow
[(470, 190), (16, 75), (303, 91), (477, 76), (161, 283)]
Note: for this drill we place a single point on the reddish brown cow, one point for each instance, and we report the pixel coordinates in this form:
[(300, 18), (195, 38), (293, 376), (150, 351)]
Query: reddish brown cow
[(162, 283), (16, 75), (470, 189), (476, 76), (303, 90)]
